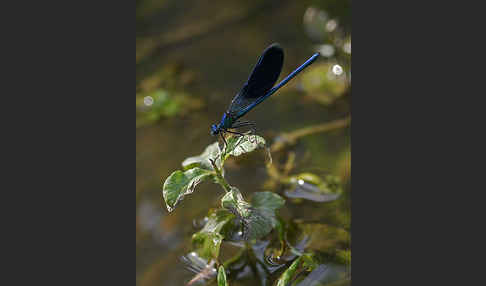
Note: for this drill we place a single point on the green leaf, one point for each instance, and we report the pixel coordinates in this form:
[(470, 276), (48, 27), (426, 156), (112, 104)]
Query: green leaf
[(207, 244), (179, 184), (266, 203), (305, 262), (275, 249), (258, 224), (222, 277), (289, 273), (238, 145), (267, 200), (202, 161), (235, 203), (208, 240), (258, 217)]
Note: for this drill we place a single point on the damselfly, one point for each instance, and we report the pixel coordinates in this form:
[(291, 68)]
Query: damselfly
[(258, 87)]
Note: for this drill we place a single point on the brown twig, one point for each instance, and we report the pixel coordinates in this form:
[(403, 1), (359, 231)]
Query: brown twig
[(292, 137)]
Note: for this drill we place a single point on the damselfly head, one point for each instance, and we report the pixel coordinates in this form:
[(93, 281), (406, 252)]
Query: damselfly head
[(214, 129)]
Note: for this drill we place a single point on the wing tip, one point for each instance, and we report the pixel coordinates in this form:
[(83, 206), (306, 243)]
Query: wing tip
[(274, 46)]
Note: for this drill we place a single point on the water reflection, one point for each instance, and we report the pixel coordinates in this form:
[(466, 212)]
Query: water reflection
[(151, 221), (204, 271)]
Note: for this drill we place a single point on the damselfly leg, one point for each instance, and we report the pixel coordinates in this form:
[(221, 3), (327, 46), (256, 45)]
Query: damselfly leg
[(240, 135), (243, 124), (224, 140)]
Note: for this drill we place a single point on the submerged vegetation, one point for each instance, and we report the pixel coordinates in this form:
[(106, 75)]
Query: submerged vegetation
[(154, 103)]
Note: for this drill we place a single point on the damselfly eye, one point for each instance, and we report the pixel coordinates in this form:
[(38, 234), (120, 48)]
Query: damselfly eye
[(214, 129)]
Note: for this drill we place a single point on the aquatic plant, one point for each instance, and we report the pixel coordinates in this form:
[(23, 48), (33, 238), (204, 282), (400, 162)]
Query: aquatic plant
[(275, 250)]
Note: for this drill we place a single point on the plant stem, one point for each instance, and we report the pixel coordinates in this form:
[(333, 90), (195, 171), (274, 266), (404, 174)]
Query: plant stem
[(219, 177)]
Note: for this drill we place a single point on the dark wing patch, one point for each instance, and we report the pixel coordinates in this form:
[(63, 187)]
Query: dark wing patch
[(261, 80)]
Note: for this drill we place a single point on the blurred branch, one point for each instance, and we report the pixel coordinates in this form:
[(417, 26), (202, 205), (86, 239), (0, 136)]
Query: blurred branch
[(154, 45), (289, 165), (291, 138)]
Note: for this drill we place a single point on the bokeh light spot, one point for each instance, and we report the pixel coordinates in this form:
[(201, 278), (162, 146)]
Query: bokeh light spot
[(326, 50), (331, 25), (148, 101), (337, 69)]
